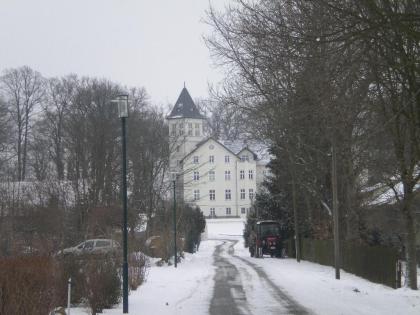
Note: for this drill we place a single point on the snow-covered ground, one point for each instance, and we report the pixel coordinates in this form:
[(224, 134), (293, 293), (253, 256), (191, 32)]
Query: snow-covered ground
[(188, 289), (315, 287)]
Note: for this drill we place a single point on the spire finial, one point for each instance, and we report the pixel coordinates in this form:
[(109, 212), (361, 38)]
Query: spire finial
[(184, 84)]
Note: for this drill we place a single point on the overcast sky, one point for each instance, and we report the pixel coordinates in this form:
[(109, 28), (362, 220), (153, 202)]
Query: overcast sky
[(152, 43)]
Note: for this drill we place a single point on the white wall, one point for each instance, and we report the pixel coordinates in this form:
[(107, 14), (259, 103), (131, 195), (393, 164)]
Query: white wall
[(220, 184)]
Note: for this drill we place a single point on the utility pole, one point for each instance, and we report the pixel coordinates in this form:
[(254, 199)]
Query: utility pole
[(335, 212), (295, 216)]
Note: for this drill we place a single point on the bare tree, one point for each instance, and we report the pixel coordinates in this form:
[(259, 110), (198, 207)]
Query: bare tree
[(23, 89), (60, 96)]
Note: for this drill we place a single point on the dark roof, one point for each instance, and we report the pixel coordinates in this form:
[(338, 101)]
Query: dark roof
[(185, 107)]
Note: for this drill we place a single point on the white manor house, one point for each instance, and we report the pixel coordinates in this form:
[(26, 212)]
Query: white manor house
[(220, 177)]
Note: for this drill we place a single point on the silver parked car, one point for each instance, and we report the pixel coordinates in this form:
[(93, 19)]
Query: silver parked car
[(94, 246)]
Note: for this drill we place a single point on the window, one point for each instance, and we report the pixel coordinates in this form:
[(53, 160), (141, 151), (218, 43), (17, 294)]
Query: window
[(242, 174), (177, 148), (103, 243), (211, 159), (181, 129), (197, 130), (173, 130), (211, 176), (212, 212), (245, 158), (251, 194), (242, 193), (196, 194), (228, 211), (190, 129), (212, 194), (251, 174), (196, 175), (227, 175), (88, 245), (228, 195), (227, 158), (195, 159), (243, 210)]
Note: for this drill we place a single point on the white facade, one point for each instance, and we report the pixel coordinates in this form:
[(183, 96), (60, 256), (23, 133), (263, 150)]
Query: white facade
[(223, 183)]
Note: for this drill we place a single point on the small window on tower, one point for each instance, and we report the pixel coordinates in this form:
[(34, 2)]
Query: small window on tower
[(190, 129), (197, 130)]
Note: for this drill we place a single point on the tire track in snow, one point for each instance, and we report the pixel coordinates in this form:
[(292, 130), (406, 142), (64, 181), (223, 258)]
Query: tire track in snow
[(229, 295)]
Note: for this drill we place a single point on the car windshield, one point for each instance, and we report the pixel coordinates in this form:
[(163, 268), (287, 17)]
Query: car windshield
[(88, 245), (269, 229)]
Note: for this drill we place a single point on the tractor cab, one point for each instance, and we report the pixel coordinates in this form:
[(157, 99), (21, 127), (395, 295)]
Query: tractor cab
[(266, 238)]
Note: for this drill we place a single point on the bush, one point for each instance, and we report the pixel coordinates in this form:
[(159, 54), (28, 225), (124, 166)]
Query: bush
[(137, 269), (95, 280), (102, 283), (28, 285)]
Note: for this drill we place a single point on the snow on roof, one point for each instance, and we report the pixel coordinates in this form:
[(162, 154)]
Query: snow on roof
[(383, 194), (259, 149)]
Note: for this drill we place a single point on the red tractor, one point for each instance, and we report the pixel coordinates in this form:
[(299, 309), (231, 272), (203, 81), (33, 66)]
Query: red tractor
[(266, 238)]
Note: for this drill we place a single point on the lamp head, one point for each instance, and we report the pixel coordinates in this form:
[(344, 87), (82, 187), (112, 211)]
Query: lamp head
[(122, 102)]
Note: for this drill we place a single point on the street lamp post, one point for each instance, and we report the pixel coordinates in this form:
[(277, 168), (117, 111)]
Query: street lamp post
[(174, 218), (122, 101)]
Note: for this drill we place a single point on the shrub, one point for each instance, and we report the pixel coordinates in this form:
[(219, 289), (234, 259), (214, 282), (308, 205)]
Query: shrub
[(95, 279), (28, 285), (102, 283), (137, 269)]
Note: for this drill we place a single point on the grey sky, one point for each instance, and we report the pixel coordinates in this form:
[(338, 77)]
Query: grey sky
[(152, 43)]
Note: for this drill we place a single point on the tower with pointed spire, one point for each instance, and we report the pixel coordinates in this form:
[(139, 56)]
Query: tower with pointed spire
[(185, 128)]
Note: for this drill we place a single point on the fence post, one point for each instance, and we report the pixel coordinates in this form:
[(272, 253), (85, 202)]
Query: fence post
[(68, 296), (398, 275)]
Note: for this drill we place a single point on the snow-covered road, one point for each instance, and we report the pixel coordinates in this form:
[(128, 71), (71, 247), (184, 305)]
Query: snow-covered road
[(242, 288), (257, 286)]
